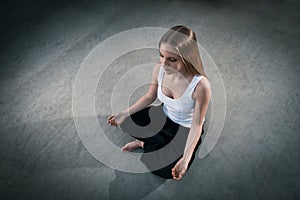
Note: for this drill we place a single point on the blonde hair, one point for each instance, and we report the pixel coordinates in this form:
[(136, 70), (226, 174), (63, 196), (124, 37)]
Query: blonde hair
[(183, 39)]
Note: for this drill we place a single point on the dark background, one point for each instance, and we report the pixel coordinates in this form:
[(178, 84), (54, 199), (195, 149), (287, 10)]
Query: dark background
[(255, 45)]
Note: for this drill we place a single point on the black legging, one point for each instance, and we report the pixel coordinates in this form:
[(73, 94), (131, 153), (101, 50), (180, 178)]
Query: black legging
[(152, 120)]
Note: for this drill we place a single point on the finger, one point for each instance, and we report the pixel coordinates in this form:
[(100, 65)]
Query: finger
[(173, 173), (174, 177), (110, 117), (112, 122), (174, 170), (179, 178), (181, 174), (123, 149)]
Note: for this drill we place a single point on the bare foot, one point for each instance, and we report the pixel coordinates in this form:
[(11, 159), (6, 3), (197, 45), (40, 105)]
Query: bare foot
[(130, 146)]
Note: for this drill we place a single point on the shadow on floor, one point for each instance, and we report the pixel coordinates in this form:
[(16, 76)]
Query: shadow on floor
[(133, 186)]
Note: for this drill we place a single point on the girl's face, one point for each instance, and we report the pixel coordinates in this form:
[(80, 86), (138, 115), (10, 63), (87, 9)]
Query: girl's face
[(170, 61)]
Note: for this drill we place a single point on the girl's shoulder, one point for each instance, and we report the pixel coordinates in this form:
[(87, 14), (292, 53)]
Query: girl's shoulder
[(202, 88), (156, 70), (155, 73)]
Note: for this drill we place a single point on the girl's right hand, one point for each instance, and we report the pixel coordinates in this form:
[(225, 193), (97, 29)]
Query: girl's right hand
[(116, 119)]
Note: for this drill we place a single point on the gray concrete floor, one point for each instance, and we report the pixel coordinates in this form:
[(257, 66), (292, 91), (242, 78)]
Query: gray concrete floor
[(255, 45)]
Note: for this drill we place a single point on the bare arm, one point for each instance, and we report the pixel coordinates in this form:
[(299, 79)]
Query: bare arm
[(202, 97), (140, 104)]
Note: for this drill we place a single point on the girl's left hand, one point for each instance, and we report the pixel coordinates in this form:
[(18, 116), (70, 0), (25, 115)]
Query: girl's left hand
[(179, 169)]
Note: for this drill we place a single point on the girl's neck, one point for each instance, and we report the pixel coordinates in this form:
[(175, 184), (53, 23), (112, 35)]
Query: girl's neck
[(180, 76)]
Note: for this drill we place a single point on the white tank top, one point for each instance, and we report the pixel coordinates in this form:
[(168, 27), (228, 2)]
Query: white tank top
[(179, 110)]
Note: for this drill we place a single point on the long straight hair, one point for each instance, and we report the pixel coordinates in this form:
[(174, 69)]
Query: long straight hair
[(183, 39)]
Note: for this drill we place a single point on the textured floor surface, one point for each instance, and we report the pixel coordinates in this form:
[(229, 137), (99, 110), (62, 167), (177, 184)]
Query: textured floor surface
[(255, 45)]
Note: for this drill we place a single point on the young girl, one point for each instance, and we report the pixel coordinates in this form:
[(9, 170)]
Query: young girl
[(180, 83)]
